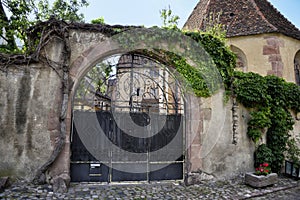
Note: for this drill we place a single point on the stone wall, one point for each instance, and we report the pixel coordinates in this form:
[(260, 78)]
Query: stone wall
[(31, 100), (29, 122), (222, 154)]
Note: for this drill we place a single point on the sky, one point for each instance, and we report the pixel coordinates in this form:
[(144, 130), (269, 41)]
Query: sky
[(146, 12)]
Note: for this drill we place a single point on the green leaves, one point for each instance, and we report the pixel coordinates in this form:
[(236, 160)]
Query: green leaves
[(251, 89), (67, 10), (16, 16), (192, 75), (260, 120), (263, 154), (219, 52), (272, 99), (14, 23), (292, 100), (221, 56), (169, 21), (254, 133)]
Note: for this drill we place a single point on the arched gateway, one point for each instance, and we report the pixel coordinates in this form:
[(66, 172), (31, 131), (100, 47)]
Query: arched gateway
[(107, 105), (128, 122), (131, 116)]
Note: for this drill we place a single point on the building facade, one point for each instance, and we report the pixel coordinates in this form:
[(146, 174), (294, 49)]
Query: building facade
[(262, 38)]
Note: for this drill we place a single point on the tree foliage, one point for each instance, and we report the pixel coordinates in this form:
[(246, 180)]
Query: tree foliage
[(169, 20), (16, 16)]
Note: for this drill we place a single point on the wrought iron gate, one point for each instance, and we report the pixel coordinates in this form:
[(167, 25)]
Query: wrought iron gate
[(127, 123)]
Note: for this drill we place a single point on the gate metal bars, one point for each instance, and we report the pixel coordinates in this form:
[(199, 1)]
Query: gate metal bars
[(128, 123)]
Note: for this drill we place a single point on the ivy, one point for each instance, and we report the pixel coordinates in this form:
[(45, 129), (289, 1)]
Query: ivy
[(263, 154), (222, 56), (251, 89), (278, 135), (192, 75), (271, 98), (260, 120)]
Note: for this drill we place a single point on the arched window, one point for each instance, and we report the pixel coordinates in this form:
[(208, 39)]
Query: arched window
[(297, 67), (241, 61)]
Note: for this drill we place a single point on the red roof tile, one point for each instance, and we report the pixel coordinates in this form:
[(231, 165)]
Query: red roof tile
[(242, 17)]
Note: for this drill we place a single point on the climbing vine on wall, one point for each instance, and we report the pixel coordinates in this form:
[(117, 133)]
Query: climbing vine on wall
[(213, 59), (222, 56), (271, 100)]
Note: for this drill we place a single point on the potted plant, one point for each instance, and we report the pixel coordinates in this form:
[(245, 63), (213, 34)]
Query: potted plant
[(262, 176), (263, 169)]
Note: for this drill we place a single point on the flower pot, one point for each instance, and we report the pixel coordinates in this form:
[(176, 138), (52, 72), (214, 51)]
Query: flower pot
[(259, 181)]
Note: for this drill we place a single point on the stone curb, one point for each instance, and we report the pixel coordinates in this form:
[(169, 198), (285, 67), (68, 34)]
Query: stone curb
[(259, 194)]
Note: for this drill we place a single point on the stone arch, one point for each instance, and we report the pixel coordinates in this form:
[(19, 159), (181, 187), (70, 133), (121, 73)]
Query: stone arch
[(241, 62), (297, 67), (83, 63)]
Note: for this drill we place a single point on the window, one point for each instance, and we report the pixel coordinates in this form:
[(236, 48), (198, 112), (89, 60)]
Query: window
[(241, 61)]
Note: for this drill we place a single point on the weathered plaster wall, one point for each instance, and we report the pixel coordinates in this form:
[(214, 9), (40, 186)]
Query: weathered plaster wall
[(220, 157), (257, 62), (288, 53), (30, 105), (29, 123), (81, 40), (269, 53)]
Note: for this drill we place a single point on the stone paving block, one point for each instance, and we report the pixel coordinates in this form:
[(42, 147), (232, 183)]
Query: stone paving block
[(229, 189)]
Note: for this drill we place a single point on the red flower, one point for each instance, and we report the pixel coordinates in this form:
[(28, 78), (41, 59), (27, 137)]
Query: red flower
[(263, 169)]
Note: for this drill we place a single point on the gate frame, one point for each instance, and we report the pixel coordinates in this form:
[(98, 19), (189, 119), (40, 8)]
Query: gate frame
[(81, 65)]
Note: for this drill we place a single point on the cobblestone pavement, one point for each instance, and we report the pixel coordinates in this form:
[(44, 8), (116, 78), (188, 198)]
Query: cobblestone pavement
[(230, 189)]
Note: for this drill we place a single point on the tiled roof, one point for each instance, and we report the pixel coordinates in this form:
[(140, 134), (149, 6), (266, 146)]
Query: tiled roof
[(242, 17)]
